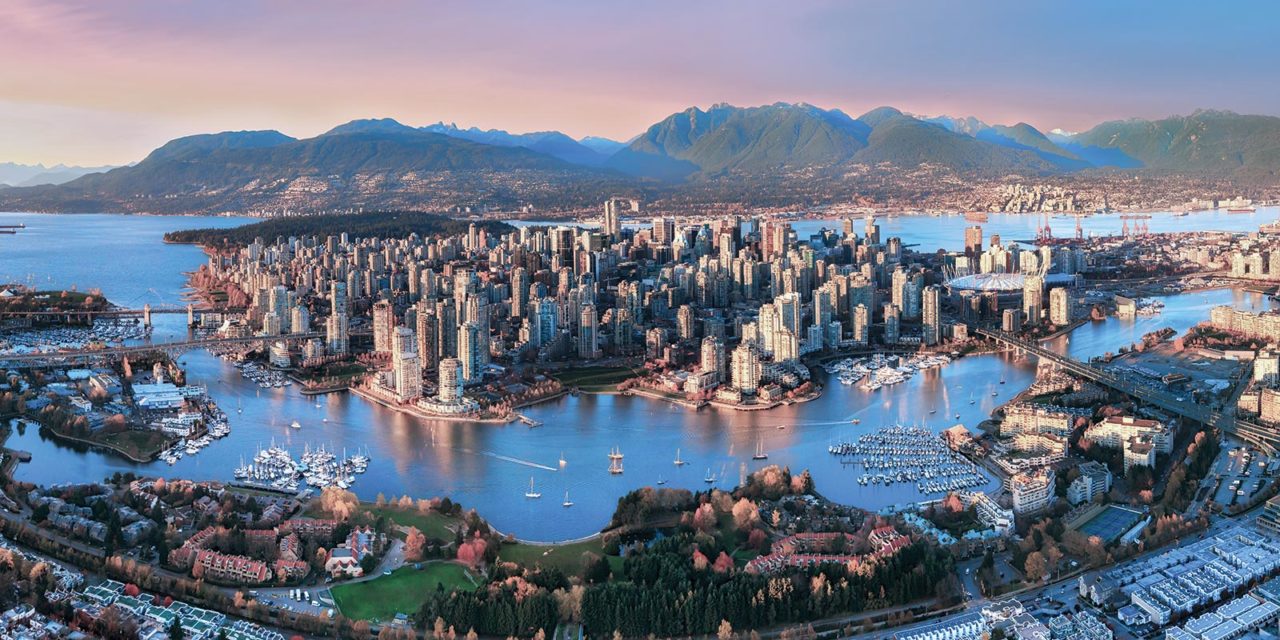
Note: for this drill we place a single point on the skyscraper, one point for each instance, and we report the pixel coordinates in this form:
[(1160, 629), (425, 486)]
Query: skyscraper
[(713, 357), (335, 334), (664, 230), (861, 324), (891, 322), (404, 365), (470, 342), (613, 210), (384, 322), (450, 381), (931, 328), (684, 322), (1032, 298), (973, 241), (427, 333), (746, 369), (588, 333), (1059, 306), (519, 292)]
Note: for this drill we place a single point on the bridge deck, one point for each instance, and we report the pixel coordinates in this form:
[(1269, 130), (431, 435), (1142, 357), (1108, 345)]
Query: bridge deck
[(1258, 434)]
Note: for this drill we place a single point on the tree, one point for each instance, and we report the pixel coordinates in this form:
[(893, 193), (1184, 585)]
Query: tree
[(745, 514), (1035, 566), (175, 629), (414, 543), (704, 519), (725, 632)]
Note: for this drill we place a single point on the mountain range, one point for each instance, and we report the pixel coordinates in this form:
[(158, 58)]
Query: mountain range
[(28, 175), (363, 161)]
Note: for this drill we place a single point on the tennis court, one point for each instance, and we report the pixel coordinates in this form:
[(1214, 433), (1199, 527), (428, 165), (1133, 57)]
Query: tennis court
[(1111, 523)]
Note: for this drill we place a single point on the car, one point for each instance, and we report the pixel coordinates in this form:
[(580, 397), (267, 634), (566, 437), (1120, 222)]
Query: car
[(315, 603)]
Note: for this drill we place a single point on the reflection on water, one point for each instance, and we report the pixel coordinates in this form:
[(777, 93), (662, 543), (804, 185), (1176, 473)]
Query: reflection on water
[(488, 466)]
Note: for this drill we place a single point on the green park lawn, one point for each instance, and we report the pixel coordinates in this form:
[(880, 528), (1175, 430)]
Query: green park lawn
[(403, 591), (565, 557), (595, 378)]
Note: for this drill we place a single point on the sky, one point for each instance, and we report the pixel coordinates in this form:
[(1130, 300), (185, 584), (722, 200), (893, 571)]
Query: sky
[(89, 82)]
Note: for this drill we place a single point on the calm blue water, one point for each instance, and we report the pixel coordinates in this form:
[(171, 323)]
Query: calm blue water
[(489, 466)]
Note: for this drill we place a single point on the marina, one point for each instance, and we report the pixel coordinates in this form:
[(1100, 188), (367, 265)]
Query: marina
[(902, 454), (275, 468), (881, 370)]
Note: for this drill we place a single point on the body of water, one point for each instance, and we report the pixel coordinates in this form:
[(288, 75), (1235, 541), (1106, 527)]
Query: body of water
[(489, 466)]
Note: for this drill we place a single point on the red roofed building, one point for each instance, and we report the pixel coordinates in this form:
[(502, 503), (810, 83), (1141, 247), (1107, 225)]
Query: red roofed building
[(220, 567)]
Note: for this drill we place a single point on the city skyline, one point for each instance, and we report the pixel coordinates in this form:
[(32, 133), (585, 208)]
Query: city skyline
[(105, 87)]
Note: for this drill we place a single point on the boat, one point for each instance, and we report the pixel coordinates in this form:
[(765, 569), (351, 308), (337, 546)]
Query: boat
[(615, 454), (531, 494), (563, 462), (678, 462), (856, 421), (760, 454), (995, 393), (932, 411), (295, 425), (710, 478), (661, 481), (1241, 210), (239, 407), (567, 502)]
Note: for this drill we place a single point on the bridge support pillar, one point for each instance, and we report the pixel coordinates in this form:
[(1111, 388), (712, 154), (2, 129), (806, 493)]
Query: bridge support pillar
[(191, 315), (146, 315)]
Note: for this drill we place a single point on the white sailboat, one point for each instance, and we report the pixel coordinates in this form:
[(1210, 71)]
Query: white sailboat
[(295, 425), (710, 478), (567, 502), (760, 454), (678, 462), (531, 494)]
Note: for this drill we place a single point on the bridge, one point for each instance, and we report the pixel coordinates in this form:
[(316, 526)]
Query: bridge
[(1265, 437), (47, 358)]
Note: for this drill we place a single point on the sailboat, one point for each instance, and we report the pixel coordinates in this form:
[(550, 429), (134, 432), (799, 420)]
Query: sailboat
[(615, 461), (678, 462), (710, 478), (239, 407), (971, 400), (760, 454), (567, 502), (531, 493), (563, 462), (295, 425)]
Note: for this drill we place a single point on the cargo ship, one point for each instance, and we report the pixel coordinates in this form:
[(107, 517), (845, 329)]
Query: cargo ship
[(1241, 210)]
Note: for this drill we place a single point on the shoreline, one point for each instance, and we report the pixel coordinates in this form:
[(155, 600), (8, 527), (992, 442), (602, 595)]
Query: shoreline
[(99, 445), (418, 413)]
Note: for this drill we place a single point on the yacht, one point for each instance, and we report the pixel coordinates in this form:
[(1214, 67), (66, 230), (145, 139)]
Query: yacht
[(531, 494), (567, 502), (710, 478), (295, 425), (760, 454), (678, 462)]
